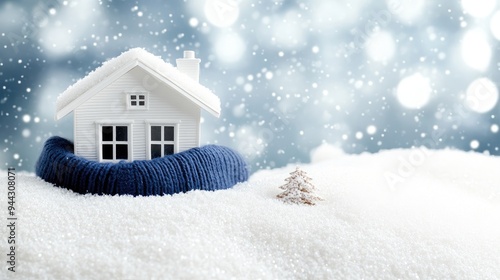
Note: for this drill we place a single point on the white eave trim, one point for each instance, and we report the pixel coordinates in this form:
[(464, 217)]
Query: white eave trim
[(92, 91), (175, 86)]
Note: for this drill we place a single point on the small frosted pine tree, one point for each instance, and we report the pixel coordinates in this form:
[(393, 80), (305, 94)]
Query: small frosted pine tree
[(298, 189)]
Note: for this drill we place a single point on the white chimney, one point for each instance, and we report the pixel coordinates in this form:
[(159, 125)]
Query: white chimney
[(189, 65)]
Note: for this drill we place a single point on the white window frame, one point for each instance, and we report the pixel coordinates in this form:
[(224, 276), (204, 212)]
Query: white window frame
[(137, 93), (162, 123), (129, 125)]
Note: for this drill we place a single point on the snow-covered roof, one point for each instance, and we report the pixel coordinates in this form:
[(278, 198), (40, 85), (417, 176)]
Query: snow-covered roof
[(112, 69)]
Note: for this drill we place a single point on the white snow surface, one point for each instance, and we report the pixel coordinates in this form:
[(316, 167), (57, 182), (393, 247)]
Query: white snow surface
[(155, 62), (441, 221)]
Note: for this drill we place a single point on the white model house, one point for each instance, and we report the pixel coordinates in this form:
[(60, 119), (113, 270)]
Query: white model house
[(136, 106)]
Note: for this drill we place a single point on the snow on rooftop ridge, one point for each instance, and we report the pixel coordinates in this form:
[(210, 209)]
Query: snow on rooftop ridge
[(155, 62)]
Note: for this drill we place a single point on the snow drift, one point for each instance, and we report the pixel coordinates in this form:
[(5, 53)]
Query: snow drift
[(441, 221), (207, 168)]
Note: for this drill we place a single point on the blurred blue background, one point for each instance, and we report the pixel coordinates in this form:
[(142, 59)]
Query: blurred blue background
[(360, 75)]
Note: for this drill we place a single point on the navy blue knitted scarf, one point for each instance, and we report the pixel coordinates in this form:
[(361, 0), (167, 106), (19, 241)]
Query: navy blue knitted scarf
[(207, 168)]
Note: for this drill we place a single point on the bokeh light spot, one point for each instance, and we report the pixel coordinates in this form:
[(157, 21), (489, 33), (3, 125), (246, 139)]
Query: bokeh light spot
[(221, 13), (476, 50), (229, 47), (481, 95), (478, 8), (414, 91), (380, 46)]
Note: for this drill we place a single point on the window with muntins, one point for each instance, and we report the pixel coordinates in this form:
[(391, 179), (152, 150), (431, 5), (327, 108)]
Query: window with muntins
[(114, 142), (162, 140), (137, 101)]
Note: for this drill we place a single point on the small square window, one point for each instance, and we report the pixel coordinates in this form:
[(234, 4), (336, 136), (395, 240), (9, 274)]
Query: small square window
[(162, 140), (114, 142), (137, 101)]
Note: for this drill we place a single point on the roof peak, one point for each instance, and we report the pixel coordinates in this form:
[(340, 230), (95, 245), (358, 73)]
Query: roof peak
[(75, 94)]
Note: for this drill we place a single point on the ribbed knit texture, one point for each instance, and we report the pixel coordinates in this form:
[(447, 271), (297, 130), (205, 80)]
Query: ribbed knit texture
[(210, 167)]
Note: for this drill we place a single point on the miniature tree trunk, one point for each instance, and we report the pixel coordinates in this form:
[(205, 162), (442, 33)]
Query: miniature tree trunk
[(298, 189)]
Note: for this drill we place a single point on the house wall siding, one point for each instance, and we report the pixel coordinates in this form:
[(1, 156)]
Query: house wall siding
[(110, 104)]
